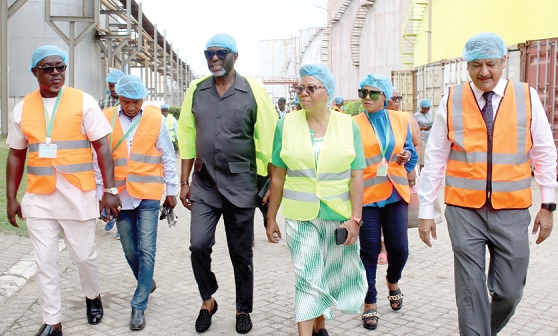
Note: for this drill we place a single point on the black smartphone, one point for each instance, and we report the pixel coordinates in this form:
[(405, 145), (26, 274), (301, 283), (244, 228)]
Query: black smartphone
[(341, 234), (104, 215), (264, 189)]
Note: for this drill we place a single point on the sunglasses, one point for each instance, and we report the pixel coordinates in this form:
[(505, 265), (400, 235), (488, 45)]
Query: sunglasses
[(50, 69), (397, 98), (310, 89), (374, 95), (221, 53)]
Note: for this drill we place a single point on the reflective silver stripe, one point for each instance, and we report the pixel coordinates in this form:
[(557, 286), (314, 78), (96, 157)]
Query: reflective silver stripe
[(145, 179), (521, 116), (344, 197), (334, 176), (145, 158), (399, 180), (457, 115), (42, 171), (121, 162), (465, 183), (376, 180), (300, 196), (75, 168), (374, 160), (511, 186), (311, 173), (481, 157), (63, 144), (119, 183)]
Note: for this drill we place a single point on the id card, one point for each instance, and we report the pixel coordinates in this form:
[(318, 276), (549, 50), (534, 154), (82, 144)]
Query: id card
[(47, 151), (382, 168)]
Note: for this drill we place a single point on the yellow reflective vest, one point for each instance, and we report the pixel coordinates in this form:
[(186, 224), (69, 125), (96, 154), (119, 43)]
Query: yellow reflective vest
[(170, 121), (307, 182)]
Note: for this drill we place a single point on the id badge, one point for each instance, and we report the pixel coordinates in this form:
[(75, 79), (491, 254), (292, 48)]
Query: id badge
[(382, 168), (47, 151)]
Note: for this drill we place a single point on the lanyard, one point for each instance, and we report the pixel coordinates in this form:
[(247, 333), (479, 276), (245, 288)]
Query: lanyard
[(383, 148), (50, 121), (132, 127)]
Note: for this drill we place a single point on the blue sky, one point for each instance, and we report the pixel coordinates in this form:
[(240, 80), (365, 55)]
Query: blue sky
[(190, 23)]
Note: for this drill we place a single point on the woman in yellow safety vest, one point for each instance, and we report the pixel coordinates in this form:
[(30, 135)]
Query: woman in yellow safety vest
[(390, 155), (317, 175)]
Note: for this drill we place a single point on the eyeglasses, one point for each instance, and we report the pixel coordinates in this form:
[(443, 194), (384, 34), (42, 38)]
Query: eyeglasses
[(221, 53), (374, 95), (310, 88), (50, 69), (397, 98)]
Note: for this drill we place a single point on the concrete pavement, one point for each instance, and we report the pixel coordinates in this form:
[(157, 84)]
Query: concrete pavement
[(429, 304)]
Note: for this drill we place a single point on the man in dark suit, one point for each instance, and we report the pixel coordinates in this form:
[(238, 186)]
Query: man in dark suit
[(225, 133)]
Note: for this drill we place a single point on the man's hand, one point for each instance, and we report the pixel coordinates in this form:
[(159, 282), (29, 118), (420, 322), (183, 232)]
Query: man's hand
[(171, 201), (273, 233), (266, 196), (544, 222), (14, 209), (184, 195), (427, 227), (111, 204)]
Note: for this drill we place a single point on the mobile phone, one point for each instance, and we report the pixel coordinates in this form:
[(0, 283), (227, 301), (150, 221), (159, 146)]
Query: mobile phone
[(341, 234), (104, 215)]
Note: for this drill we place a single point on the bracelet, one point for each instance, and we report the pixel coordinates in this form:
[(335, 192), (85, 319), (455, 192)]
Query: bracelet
[(183, 183)]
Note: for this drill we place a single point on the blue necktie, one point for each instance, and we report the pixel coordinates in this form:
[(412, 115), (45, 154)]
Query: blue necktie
[(488, 111)]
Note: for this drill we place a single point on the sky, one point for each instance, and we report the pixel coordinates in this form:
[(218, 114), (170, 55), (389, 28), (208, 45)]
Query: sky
[(190, 23)]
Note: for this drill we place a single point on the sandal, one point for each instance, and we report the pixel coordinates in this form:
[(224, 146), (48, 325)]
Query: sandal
[(321, 332), (203, 322), (243, 323), (382, 258), (395, 299), (370, 319)]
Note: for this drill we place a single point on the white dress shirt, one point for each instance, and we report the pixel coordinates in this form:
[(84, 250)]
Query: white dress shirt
[(543, 152), (163, 145)]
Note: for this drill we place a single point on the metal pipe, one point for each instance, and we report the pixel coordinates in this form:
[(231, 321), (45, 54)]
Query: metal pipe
[(171, 86), (155, 60), (165, 65), (72, 50)]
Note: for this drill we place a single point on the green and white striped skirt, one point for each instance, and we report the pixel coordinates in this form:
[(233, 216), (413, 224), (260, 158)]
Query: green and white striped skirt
[(326, 275)]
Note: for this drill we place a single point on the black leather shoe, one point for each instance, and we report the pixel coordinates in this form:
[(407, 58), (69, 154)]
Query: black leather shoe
[(137, 320), (243, 323), (50, 330), (94, 310), (153, 286)]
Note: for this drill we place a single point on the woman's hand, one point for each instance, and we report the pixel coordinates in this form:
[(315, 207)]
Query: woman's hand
[(273, 233), (403, 157), (353, 230)]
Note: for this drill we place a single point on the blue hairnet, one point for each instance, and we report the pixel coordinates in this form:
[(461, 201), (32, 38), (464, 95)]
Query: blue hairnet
[(114, 76), (164, 107), (321, 73), (483, 46), (132, 87), (378, 81), (338, 100), (222, 40), (425, 103), (45, 51)]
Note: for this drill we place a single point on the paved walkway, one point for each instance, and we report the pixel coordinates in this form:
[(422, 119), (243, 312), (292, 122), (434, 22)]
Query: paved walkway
[(427, 283)]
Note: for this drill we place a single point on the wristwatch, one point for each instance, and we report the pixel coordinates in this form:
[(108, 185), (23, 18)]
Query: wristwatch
[(549, 206), (112, 191), (357, 220)]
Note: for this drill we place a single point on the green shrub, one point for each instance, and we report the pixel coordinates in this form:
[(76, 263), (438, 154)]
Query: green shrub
[(353, 107), (175, 111)]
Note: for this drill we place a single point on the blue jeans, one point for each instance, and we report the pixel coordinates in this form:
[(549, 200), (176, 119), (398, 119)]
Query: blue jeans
[(138, 236), (392, 220)]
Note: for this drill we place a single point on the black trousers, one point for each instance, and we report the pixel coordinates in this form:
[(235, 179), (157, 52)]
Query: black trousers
[(263, 207), (239, 229)]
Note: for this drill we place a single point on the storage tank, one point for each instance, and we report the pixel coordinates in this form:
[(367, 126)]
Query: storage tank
[(28, 30)]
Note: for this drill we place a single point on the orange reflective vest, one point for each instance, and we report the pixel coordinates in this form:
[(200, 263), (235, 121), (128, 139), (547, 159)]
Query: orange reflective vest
[(73, 160), (140, 172), (495, 168), (378, 188)]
